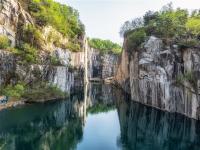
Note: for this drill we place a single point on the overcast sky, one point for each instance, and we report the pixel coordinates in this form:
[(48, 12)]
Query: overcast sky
[(103, 18)]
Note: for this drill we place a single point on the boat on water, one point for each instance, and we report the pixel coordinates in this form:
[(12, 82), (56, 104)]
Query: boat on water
[(3, 99)]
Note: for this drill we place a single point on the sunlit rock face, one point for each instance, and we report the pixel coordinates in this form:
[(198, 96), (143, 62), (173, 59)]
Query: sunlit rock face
[(122, 74), (153, 74), (65, 75), (12, 15), (77, 59), (56, 75), (63, 78), (143, 128)]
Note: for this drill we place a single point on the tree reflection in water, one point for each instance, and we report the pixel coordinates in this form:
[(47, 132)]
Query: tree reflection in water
[(60, 125)]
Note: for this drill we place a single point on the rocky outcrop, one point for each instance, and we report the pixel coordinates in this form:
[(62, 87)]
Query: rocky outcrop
[(155, 71), (63, 76), (122, 74), (11, 17), (102, 65)]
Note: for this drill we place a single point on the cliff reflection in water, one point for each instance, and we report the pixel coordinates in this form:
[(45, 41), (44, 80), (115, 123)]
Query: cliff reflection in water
[(145, 128), (61, 125)]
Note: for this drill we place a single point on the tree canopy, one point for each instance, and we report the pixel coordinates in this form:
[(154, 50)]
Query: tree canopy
[(167, 23), (62, 17), (105, 46)]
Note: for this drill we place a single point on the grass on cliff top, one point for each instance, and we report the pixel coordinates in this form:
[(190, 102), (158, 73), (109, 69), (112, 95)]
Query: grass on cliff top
[(62, 17), (105, 46)]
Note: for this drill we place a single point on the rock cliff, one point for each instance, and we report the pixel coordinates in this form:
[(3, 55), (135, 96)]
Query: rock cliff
[(67, 68), (11, 17), (163, 76), (102, 65)]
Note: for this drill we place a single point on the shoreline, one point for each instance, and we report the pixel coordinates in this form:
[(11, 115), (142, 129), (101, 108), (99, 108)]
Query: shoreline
[(13, 104)]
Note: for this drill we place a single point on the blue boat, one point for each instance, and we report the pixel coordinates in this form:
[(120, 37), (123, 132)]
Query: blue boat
[(3, 99)]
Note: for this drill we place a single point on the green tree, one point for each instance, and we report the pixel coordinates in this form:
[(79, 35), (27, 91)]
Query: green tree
[(135, 39), (131, 25), (193, 25)]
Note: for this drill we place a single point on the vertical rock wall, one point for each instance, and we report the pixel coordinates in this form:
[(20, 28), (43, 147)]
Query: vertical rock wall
[(7, 66), (11, 16), (102, 65), (154, 71)]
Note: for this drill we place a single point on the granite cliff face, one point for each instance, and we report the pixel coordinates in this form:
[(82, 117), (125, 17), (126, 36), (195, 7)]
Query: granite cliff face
[(165, 76), (12, 72), (68, 72), (12, 16), (102, 65)]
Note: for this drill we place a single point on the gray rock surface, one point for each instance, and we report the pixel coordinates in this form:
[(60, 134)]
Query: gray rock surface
[(11, 16), (153, 74)]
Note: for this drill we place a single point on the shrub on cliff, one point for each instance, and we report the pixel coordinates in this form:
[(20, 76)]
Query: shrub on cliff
[(135, 39), (128, 26), (170, 22), (62, 17), (55, 61), (72, 46), (43, 91), (33, 36), (15, 91), (4, 42), (188, 43), (189, 77), (28, 53), (193, 25)]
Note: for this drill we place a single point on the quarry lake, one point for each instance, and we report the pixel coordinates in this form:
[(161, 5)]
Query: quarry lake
[(98, 117)]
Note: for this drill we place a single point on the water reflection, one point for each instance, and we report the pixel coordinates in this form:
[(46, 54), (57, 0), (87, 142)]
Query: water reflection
[(78, 123), (144, 128)]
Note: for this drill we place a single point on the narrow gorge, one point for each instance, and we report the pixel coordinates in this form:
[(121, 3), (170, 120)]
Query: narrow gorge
[(60, 89)]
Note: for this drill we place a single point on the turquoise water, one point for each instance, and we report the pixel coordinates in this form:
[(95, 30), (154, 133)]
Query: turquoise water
[(102, 118)]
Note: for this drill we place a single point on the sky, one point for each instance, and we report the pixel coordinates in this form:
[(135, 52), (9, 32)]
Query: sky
[(103, 18)]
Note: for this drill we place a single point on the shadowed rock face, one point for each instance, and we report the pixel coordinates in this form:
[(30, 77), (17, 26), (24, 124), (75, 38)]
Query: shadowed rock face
[(153, 74), (146, 128), (6, 66), (102, 65)]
